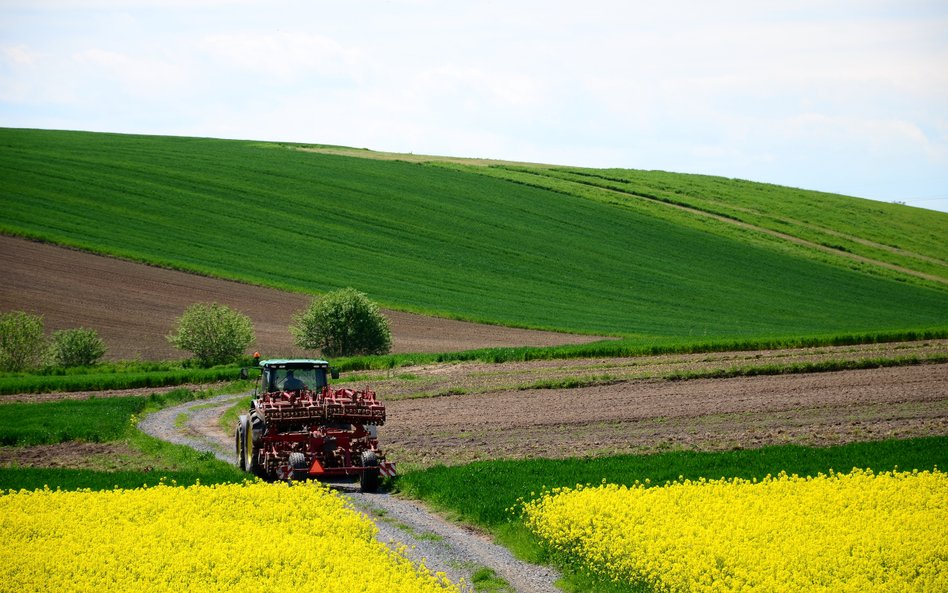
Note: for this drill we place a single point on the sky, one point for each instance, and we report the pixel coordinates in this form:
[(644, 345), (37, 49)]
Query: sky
[(843, 96)]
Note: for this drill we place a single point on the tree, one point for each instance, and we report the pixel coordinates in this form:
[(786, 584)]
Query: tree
[(214, 333), (76, 347), (21, 340), (342, 323)]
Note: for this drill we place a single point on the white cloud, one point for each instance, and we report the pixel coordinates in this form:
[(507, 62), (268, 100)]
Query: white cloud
[(18, 56), (475, 87), (138, 77), (16, 61), (884, 139), (286, 56)]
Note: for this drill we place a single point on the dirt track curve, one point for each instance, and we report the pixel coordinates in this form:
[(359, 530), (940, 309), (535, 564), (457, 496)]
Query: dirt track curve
[(134, 306)]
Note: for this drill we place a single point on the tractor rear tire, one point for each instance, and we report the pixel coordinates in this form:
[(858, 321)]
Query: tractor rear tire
[(369, 480), (240, 439), (298, 464), (246, 444), (258, 425)]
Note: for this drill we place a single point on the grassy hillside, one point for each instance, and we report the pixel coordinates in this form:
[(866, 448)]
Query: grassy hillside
[(909, 238), (445, 239), (911, 241)]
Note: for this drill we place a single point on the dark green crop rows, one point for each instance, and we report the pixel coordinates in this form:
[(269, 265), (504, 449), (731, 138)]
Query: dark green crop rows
[(98, 381), (93, 420)]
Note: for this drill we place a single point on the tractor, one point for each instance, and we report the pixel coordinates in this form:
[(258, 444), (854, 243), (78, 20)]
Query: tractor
[(298, 427)]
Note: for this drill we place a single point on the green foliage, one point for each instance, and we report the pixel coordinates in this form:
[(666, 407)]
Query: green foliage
[(215, 333), (75, 347), (21, 340), (96, 420), (473, 244), (342, 323)]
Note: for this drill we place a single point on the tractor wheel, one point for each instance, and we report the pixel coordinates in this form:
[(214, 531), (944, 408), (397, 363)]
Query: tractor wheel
[(258, 425), (297, 462), (369, 480), (239, 445), (246, 446)]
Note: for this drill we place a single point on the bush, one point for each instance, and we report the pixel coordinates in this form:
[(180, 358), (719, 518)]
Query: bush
[(76, 347), (21, 340), (215, 333), (342, 323)]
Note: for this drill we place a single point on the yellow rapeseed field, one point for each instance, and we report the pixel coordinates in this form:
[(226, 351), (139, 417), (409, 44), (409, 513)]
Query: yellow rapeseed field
[(237, 537), (858, 532)]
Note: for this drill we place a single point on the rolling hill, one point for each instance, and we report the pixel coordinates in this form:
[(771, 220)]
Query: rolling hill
[(649, 256)]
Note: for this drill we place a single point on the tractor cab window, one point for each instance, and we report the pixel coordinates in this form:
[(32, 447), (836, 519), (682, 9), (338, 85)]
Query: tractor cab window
[(292, 379)]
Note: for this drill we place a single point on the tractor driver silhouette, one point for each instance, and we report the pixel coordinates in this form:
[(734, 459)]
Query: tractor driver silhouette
[(292, 383)]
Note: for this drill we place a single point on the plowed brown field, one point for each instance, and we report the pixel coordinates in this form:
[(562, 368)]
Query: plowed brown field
[(134, 306), (650, 415)]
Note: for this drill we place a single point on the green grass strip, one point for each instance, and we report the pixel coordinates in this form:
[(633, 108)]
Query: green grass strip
[(106, 420), (92, 420), (823, 366), (626, 348), (32, 478), (96, 420), (92, 381)]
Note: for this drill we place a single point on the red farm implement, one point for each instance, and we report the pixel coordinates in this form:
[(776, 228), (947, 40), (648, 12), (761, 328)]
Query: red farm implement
[(299, 427)]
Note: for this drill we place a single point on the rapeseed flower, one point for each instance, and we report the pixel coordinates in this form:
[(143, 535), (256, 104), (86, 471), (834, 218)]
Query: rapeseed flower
[(233, 537), (857, 532)]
